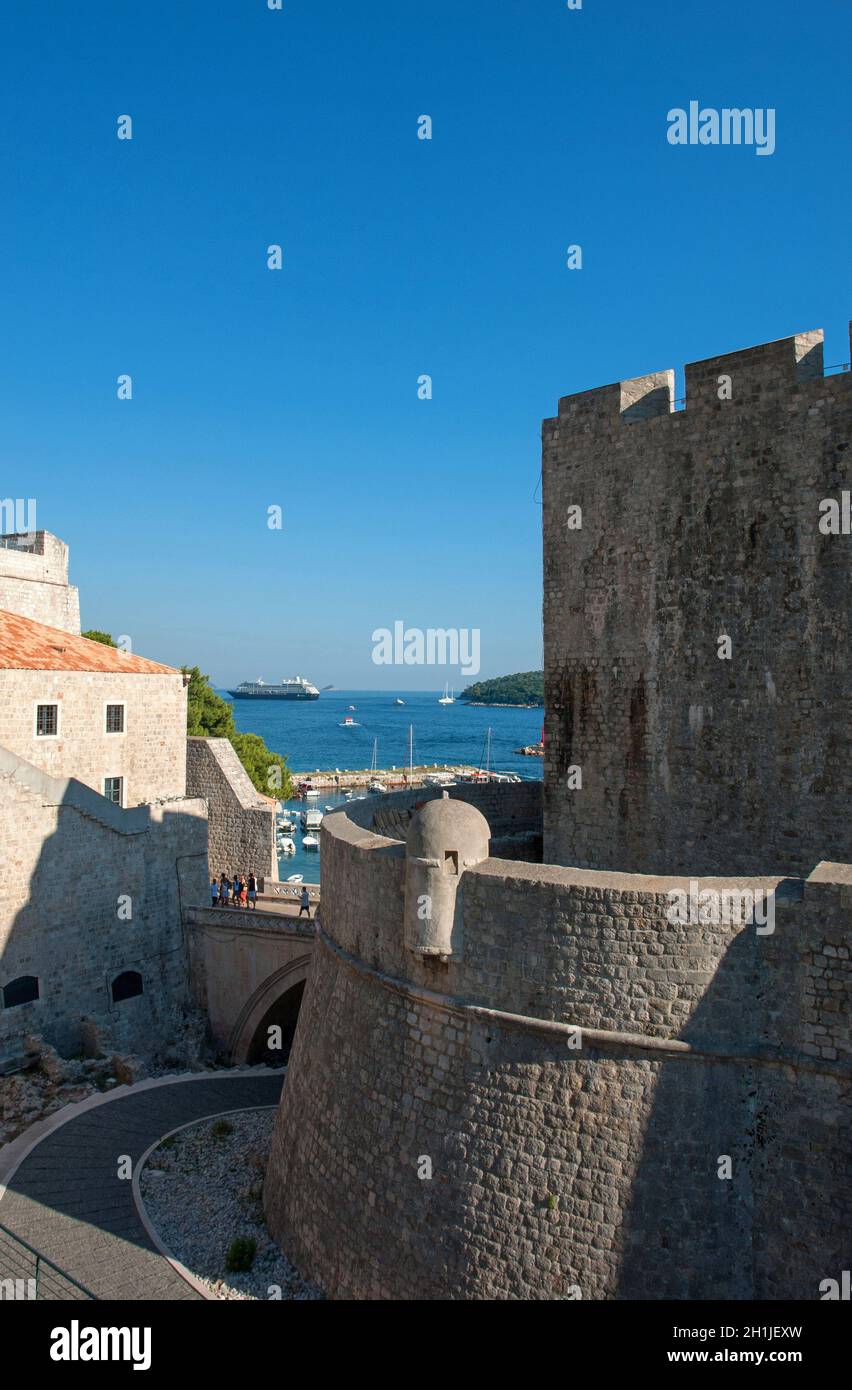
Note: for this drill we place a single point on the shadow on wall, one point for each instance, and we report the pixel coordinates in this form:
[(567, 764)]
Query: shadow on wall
[(740, 1172), (97, 932)]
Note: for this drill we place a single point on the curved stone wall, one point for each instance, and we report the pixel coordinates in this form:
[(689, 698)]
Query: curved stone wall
[(573, 1075)]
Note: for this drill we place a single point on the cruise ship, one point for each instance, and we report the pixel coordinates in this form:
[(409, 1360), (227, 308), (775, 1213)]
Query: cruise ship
[(296, 689)]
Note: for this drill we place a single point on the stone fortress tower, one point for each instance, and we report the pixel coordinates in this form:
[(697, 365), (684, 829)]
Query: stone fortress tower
[(522, 1080)]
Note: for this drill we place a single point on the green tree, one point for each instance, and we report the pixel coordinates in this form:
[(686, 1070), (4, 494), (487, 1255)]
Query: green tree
[(209, 716), (95, 636)]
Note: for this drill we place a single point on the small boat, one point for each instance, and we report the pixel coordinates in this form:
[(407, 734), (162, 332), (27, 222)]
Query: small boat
[(310, 842), (311, 820), (295, 878), (286, 845), (311, 794), (377, 787), (350, 707), (399, 702), (447, 698), (348, 723), (331, 808)]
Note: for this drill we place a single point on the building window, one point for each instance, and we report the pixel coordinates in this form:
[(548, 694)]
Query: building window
[(114, 790), (21, 991), (115, 719), (47, 721), (126, 986)]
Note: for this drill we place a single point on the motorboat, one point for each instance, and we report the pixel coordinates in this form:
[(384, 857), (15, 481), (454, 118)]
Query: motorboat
[(312, 794), (295, 878), (350, 707), (348, 723), (311, 820), (310, 842), (286, 824), (376, 787), (331, 808), (286, 845), (397, 701)]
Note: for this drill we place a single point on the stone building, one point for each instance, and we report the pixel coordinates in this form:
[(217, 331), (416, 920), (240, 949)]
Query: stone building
[(522, 1080), (103, 844), (100, 849), (72, 707)]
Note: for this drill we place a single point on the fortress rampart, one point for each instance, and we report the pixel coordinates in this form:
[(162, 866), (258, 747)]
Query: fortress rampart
[(563, 1161), (34, 580), (698, 524)]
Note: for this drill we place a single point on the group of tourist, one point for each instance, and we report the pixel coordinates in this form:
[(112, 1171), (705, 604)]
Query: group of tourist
[(242, 892), (237, 891)]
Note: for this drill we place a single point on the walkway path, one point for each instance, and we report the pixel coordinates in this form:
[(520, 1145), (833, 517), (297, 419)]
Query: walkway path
[(65, 1197)]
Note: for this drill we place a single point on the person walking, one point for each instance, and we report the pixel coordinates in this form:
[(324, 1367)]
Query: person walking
[(214, 891), (243, 892), (252, 891), (305, 903), (226, 890)]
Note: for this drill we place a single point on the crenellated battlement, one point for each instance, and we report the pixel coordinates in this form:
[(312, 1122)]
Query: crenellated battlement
[(777, 367)]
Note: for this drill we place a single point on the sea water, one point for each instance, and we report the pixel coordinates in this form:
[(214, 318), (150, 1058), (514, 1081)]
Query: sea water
[(308, 734)]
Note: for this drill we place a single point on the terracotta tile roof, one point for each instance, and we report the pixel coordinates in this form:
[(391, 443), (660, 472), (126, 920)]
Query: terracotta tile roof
[(29, 646)]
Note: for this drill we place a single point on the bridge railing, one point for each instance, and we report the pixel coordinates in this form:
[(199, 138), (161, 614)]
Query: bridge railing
[(26, 1274)]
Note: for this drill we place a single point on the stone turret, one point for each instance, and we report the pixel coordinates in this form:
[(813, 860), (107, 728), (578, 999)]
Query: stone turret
[(445, 838)]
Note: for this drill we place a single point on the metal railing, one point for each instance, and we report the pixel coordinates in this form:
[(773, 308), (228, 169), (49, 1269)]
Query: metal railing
[(26, 1274)]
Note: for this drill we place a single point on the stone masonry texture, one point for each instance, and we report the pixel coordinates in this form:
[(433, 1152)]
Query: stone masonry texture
[(696, 524), (554, 1168), (241, 820)]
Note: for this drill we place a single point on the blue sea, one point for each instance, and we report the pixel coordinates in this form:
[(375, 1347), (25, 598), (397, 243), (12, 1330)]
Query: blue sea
[(308, 734)]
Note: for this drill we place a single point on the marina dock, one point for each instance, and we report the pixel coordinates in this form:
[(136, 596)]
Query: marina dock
[(393, 778)]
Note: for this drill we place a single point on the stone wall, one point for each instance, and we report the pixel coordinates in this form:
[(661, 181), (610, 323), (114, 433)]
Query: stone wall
[(149, 755), (696, 524), (564, 1161), (34, 581), (241, 820), (71, 867)]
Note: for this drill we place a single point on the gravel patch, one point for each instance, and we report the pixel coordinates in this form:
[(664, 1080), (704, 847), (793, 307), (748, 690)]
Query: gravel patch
[(202, 1189)]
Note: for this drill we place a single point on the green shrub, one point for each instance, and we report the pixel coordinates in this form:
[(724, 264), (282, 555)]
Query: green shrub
[(240, 1256), (220, 1128)]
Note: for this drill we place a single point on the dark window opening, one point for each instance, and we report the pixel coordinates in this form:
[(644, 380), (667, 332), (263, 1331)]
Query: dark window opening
[(126, 986), (21, 991), (115, 719), (47, 721), (451, 861)]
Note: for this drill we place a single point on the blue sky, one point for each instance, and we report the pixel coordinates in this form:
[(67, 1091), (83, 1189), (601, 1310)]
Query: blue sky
[(298, 388)]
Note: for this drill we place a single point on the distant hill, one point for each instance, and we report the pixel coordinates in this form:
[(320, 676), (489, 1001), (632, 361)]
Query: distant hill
[(524, 688)]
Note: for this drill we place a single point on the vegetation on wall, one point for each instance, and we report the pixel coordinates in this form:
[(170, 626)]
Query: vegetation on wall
[(523, 688), (95, 636)]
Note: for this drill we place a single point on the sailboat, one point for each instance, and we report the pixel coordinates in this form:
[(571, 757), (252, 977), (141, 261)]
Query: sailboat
[(447, 698), (375, 785)]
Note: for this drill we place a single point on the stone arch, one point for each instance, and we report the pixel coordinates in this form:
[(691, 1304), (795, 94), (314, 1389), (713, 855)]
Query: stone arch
[(258, 1005)]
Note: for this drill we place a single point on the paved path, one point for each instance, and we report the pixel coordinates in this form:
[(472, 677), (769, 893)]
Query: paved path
[(66, 1199)]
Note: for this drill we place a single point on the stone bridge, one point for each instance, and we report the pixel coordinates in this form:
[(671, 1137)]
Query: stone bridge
[(248, 972)]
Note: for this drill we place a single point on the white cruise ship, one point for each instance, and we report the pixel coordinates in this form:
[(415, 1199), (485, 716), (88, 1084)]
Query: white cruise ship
[(295, 689)]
